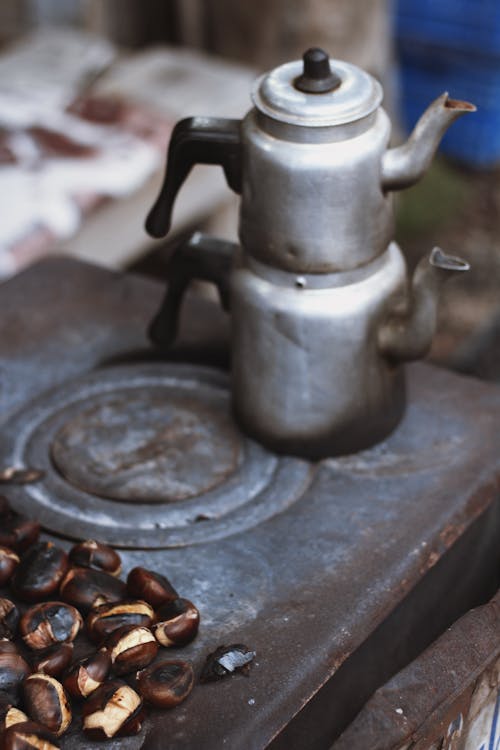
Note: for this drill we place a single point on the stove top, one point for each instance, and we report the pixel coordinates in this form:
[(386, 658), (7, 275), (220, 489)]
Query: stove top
[(336, 574), (146, 456)]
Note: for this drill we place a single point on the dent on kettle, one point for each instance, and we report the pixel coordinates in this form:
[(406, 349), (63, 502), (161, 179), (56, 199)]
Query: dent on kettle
[(311, 163)]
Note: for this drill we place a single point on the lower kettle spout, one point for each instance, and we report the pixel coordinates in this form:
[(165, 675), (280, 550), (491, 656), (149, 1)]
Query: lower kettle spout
[(408, 334)]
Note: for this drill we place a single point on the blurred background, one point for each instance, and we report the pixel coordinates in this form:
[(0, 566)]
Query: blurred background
[(90, 91)]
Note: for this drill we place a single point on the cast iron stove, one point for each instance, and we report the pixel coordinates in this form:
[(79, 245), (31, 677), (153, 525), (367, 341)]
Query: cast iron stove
[(337, 574)]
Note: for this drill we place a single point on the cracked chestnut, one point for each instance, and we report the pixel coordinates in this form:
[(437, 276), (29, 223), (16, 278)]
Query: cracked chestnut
[(51, 622), (46, 702), (18, 532), (28, 735), (6, 704), (9, 618), (86, 588), (131, 648), (11, 717), (92, 554), (53, 660), (88, 674), (149, 586), (40, 572), (176, 623), (8, 563), (167, 683), (13, 669), (105, 619), (9, 714), (113, 710)]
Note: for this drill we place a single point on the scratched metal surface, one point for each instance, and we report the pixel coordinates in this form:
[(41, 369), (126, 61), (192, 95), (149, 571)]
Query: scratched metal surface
[(336, 592), (446, 698)]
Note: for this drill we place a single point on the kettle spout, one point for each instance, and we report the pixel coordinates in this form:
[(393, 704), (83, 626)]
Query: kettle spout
[(408, 334), (406, 164)]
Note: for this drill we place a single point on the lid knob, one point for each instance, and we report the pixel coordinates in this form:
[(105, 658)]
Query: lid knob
[(317, 76)]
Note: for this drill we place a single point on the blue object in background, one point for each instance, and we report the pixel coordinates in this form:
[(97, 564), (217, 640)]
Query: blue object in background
[(454, 46)]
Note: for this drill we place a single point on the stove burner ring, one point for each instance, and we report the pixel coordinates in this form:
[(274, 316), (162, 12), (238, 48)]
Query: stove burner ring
[(148, 445), (146, 455)]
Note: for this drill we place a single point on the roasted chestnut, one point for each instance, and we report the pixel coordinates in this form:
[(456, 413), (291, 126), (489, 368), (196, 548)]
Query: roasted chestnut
[(28, 735), (18, 532), (105, 619), (91, 554), (9, 619), (40, 572), (167, 683), (88, 674), (53, 660), (176, 623), (12, 716), (131, 648), (46, 702), (150, 586), (86, 588), (51, 622), (8, 563), (9, 714), (13, 668), (6, 704), (113, 710)]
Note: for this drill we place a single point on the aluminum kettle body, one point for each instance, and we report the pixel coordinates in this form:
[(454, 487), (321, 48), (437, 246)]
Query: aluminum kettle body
[(322, 313)]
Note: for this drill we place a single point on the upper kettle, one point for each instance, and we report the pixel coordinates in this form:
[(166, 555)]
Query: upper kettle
[(306, 209)]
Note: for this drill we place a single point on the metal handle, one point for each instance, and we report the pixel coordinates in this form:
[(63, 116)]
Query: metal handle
[(201, 257), (196, 140)]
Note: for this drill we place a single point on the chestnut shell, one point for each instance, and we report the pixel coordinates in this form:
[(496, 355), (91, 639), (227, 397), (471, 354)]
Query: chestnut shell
[(176, 623), (88, 674), (40, 572), (49, 622), (150, 586), (18, 532), (106, 618), (46, 702), (53, 660), (85, 588), (13, 669), (9, 561), (166, 683), (131, 648), (92, 554), (102, 702), (19, 737)]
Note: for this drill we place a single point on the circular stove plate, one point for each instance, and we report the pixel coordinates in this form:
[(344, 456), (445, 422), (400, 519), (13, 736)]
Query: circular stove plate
[(146, 455)]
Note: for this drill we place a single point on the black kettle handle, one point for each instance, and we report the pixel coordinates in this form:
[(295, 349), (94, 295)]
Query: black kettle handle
[(196, 140), (201, 257)]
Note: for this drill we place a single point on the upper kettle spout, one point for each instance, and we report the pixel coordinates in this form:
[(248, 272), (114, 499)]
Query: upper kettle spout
[(406, 164)]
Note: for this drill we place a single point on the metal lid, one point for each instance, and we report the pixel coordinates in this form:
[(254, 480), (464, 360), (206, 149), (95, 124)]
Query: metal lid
[(278, 95)]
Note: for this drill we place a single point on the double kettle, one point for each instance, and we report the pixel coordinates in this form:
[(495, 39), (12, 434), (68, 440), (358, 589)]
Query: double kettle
[(322, 313)]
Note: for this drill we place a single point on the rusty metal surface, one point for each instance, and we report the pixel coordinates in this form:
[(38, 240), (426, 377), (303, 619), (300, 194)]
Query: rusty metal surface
[(337, 592), (207, 483), (437, 700), (148, 443)]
